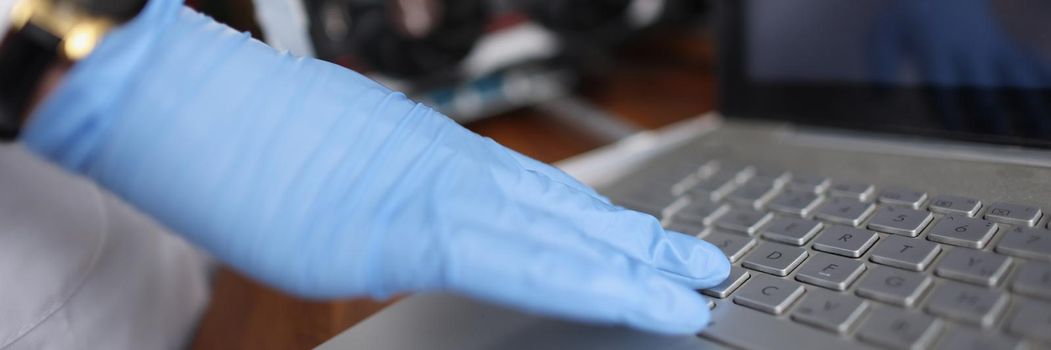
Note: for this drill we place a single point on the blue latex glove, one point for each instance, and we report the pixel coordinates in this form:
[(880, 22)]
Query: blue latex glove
[(325, 184)]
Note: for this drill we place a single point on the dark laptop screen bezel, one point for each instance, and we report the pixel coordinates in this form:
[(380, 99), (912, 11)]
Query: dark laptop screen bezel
[(901, 110)]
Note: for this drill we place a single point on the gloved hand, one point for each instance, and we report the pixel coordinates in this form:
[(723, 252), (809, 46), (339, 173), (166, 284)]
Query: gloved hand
[(325, 184)]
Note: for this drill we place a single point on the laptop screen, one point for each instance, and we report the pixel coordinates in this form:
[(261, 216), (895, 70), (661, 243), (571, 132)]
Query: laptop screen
[(964, 69)]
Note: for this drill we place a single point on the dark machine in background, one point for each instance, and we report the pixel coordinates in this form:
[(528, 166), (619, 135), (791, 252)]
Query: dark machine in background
[(404, 39), (419, 38), (468, 58), (474, 58)]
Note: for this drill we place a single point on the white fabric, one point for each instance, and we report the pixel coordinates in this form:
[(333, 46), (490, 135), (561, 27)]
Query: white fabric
[(5, 12), (81, 270), (285, 25)]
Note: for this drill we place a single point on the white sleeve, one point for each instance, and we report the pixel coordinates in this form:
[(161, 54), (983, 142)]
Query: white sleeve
[(81, 270), (5, 13), (285, 25)]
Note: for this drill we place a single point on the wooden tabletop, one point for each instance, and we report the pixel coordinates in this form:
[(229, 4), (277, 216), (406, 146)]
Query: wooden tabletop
[(665, 79)]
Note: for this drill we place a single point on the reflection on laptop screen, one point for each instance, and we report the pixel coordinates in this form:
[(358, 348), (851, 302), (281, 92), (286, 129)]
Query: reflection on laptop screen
[(975, 69)]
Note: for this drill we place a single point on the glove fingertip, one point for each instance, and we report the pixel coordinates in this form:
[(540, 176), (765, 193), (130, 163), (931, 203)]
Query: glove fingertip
[(697, 263), (674, 310), (717, 263)]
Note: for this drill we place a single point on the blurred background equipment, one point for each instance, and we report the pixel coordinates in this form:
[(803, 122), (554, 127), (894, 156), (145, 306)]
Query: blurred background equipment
[(470, 59), (404, 38)]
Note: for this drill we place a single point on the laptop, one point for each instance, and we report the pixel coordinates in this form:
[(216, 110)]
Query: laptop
[(878, 173)]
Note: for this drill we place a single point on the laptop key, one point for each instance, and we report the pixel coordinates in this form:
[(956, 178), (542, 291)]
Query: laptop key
[(965, 338), (683, 226), (893, 286), (794, 231), (646, 201), (768, 294), (907, 253), (1031, 320), (741, 172), (950, 204), (830, 311), (847, 211), (961, 302), (846, 241), (795, 202), (1031, 243), (678, 170), (772, 176), (774, 258), (691, 173), (830, 271), (859, 191), (1016, 214), (1033, 279), (963, 231), (716, 186), (742, 220), (902, 196), (753, 195), (686, 229), (734, 246), (900, 220), (812, 184), (974, 266), (899, 329), (724, 289), (695, 215), (685, 184)]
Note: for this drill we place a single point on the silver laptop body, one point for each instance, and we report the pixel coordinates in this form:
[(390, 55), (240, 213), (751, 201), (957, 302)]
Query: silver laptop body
[(859, 212)]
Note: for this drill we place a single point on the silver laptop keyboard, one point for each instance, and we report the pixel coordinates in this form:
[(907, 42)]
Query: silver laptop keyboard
[(834, 263)]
